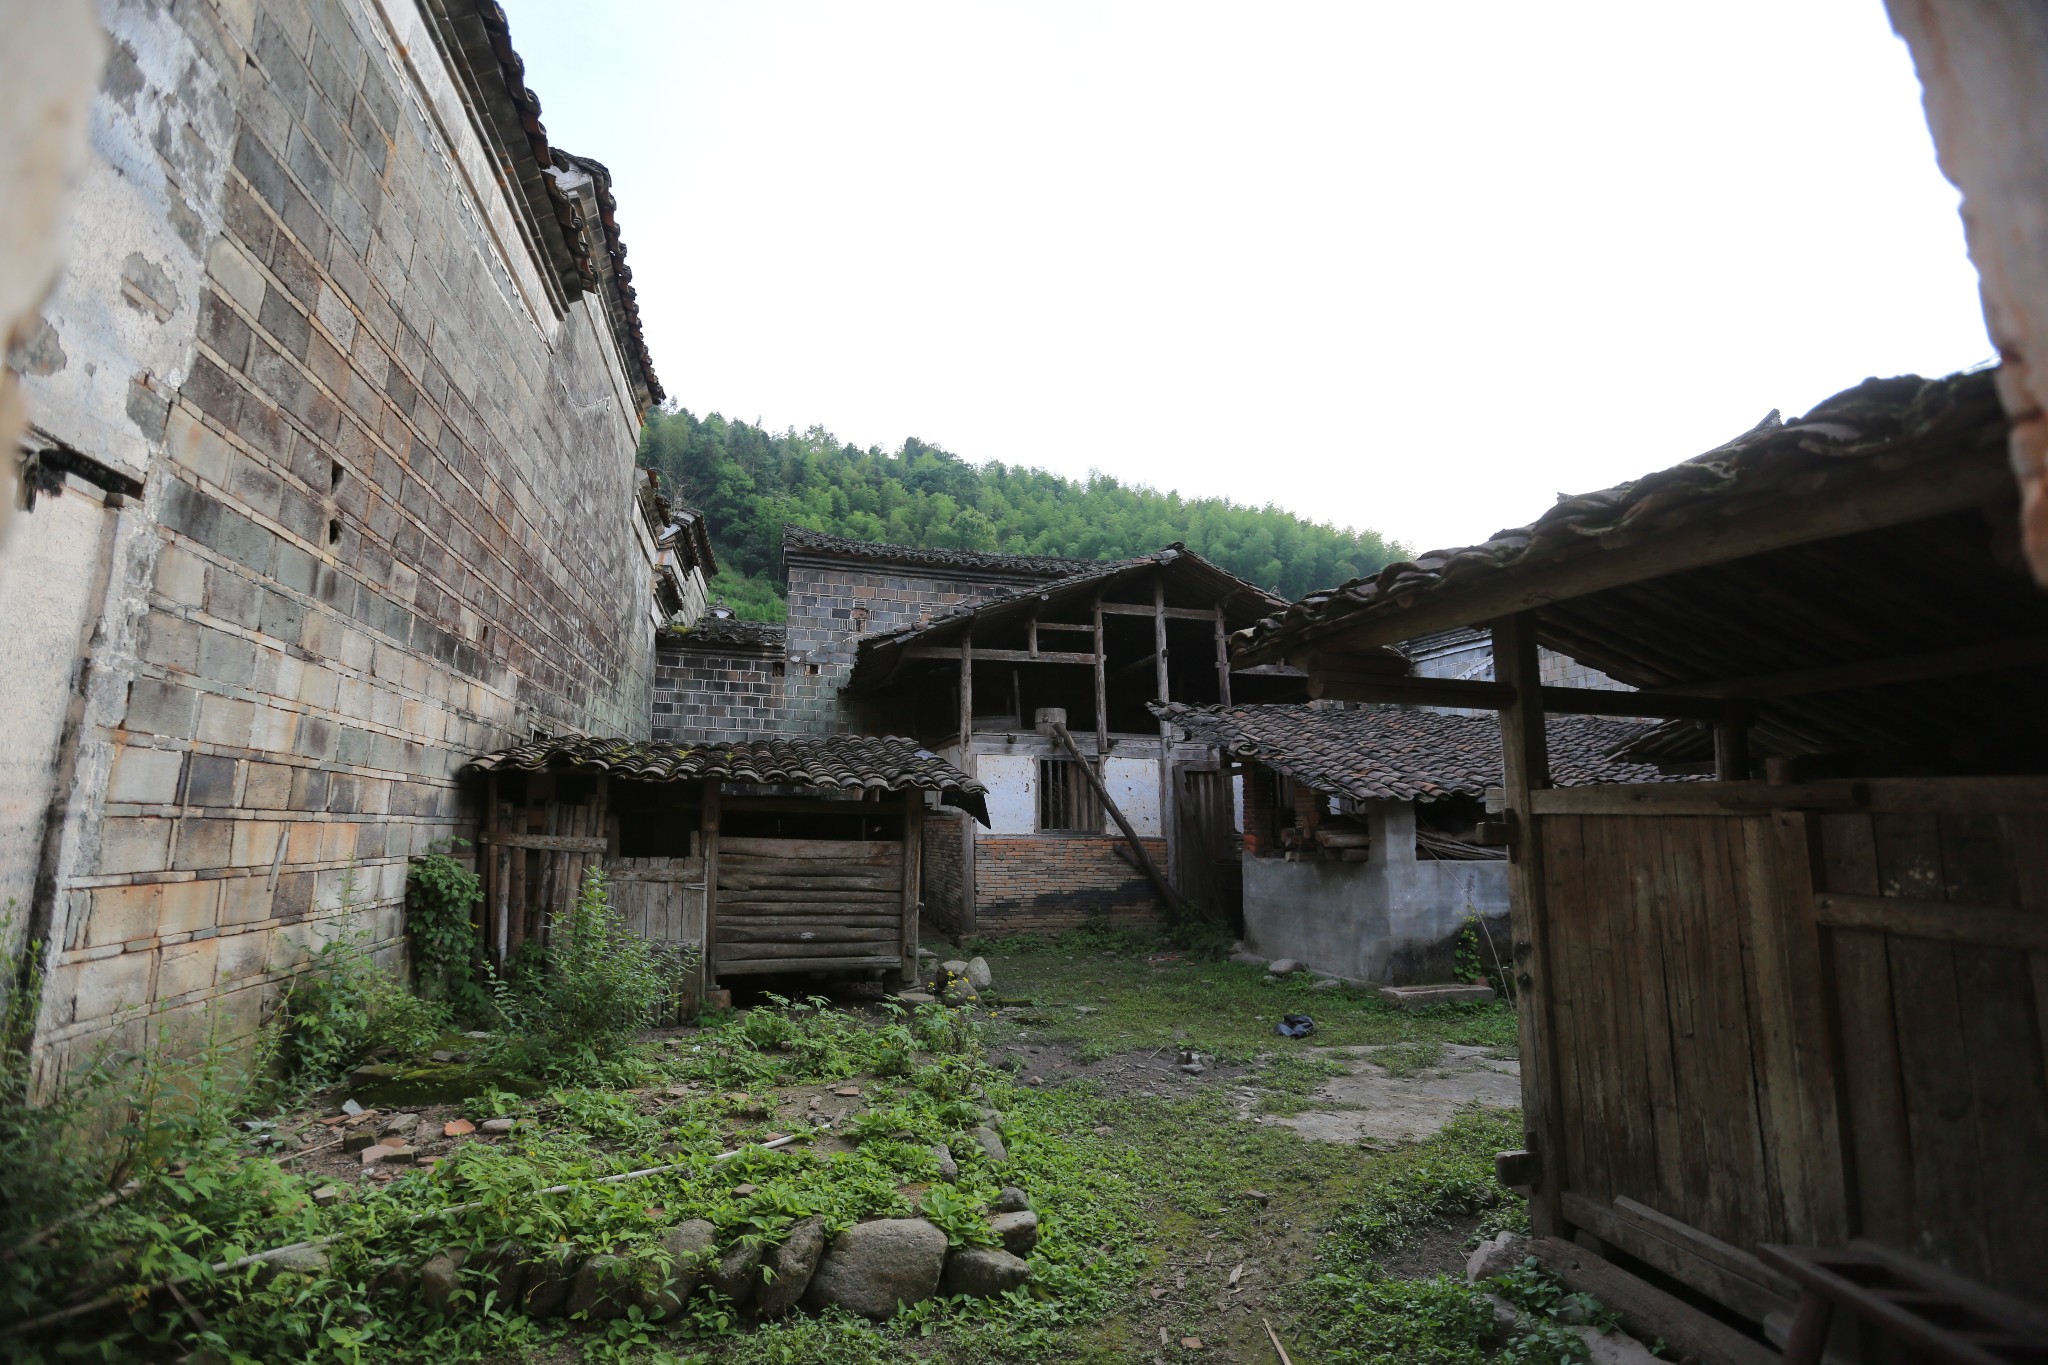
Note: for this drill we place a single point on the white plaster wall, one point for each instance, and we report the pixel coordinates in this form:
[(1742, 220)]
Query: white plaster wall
[(1134, 785), (1237, 803), (1012, 792)]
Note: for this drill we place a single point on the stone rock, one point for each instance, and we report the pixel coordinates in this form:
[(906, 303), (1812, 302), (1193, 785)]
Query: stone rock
[(978, 975), (1019, 1231), (499, 1270), (1244, 959), (357, 1141), (1086, 1009), (298, 1261), (1496, 1256), (1285, 966), (872, 1267), (1010, 1199), (1505, 1316), (982, 1273), (689, 1248), (926, 954), (440, 1056), (499, 1125), (1193, 1068), (791, 1268), (1327, 983), (401, 1125), (603, 1288), (954, 966), (548, 1280), (328, 1195), (403, 1154), (375, 1153), (441, 1277), (738, 1272), (1613, 1347), (917, 997), (991, 1144), (949, 1169)]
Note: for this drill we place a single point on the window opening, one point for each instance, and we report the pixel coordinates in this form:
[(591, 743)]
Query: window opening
[(1066, 801)]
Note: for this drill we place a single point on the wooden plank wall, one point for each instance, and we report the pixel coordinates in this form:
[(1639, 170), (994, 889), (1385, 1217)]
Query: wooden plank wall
[(1803, 1026), (809, 905)]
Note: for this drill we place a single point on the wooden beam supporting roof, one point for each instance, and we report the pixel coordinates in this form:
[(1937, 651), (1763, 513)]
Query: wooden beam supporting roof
[(997, 656), (1152, 609), (1858, 501)]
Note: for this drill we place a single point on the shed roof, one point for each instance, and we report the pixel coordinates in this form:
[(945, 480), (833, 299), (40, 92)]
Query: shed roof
[(1191, 581), (1853, 575), (803, 540), (834, 762), (1397, 754)]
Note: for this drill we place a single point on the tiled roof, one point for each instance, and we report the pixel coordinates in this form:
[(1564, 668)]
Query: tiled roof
[(621, 273), (838, 762), (1390, 753), (1032, 566), (1886, 422), (729, 632), (1191, 575)]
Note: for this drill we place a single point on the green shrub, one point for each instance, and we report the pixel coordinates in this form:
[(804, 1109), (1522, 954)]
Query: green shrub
[(574, 1015), (346, 1006), (439, 896)]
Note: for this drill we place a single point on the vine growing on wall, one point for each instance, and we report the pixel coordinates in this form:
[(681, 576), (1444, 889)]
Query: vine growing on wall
[(439, 896)]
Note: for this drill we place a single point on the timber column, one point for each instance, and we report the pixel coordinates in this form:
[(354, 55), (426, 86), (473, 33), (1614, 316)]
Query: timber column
[(1525, 751)]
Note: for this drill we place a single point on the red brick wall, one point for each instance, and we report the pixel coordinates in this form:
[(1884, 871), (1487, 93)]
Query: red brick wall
[(1261, 829), (1042, 886)]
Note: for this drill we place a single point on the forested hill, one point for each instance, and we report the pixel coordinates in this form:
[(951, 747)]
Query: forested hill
[(749, 482)]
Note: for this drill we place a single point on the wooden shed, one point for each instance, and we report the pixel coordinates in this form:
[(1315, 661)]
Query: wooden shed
[(1783, 1033), (783, 855)]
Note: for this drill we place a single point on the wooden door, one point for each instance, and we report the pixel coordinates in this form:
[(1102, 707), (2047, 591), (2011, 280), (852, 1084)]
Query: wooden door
[(805, 905), (1207, 854), (662, 900)]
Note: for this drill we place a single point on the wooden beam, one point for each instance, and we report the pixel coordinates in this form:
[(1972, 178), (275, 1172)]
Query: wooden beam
[(967, 890), (1607, 701), (997, 656), (1150, 661), (1144, 859), (1167, 814), (2031, 651), (1722, 1272), (553, 843), (1978, 925), (1222, 659), (1473, 695), (1526, 769), (913, 882), (1857, 498), (1152, 609), (1101, 694), (1700, 798), (1648, 1312), (707, 824)]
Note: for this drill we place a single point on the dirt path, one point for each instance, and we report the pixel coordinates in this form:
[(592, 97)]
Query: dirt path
[(1375, 1102)]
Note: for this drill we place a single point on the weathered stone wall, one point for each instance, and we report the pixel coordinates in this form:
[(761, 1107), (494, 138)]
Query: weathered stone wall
[(388, 509), (833, 603), (707, 693)]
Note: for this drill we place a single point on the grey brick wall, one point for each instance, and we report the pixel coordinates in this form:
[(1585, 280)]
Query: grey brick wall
[(833, 603), (388, 526), (707, 693)]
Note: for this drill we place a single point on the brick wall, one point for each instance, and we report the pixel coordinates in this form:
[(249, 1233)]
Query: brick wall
[(944, 860), (1044, 886), (706, 693), (832, 603), (387, 519)]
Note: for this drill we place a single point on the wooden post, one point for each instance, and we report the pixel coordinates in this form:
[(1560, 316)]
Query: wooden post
[(496, 863), (708, 827), (1101, 696), (1731, 745), (967, 893), (1222, 659), (913, 876), (1159, 672), (1526, 768)]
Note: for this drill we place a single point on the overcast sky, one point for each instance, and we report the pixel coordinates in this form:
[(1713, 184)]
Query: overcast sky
[(1408, 266)]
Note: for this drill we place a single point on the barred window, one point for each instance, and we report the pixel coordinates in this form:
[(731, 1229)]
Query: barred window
[(1065, 799)]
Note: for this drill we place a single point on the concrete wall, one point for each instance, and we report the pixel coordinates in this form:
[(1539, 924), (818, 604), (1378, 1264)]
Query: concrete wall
[(1392, 919), (387, 516)]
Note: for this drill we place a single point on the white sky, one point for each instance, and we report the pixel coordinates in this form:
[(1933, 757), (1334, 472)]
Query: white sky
[(1418, 267)]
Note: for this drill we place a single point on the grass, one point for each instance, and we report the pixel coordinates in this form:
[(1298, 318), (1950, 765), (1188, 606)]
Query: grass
[(1144, 997), (1147, 1204)]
